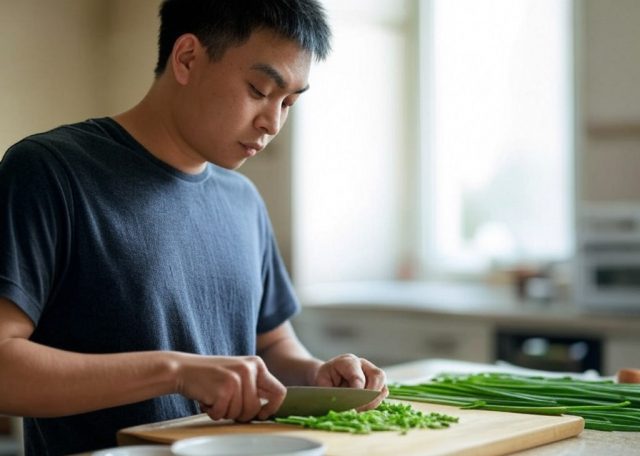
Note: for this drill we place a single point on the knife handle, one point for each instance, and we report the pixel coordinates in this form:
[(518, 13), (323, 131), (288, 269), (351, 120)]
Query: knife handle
[(629, 376)]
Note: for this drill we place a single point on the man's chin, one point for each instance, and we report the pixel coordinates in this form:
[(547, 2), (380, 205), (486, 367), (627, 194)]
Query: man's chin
[(238, 164), (230, 165)]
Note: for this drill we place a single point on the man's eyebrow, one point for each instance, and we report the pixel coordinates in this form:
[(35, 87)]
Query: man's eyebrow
[(275, 75)]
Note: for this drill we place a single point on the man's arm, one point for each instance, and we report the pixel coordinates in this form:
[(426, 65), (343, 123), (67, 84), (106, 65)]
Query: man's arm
[(286, 357), (40, 381), (290, 361)]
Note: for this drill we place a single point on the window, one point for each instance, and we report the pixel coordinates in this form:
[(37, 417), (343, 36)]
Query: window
[(349, 142), (436, 140), (497, 133)]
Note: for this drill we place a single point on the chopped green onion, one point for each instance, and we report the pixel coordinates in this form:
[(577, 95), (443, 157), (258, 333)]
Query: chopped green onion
[(386, 417)]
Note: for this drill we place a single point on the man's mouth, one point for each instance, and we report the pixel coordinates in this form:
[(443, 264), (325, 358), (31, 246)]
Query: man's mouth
[(252, 148)]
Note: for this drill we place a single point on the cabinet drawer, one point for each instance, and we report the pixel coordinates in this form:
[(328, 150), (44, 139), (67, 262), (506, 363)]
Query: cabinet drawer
[(391, 337)]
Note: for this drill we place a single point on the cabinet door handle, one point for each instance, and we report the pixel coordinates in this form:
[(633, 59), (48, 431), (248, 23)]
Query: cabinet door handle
[(340, 332), (445, 345)]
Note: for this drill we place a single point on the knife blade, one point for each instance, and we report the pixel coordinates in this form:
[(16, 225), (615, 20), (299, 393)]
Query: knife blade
[(316, 401)]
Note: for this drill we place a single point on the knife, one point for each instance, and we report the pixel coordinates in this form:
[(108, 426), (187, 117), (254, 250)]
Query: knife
[(316, 401)]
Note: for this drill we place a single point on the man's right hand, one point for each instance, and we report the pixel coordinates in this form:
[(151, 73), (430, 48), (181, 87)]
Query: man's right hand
[(229, 387)]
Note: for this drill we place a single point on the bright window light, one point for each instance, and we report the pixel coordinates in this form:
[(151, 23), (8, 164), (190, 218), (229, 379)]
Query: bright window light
[(497, 133), (349, 141)]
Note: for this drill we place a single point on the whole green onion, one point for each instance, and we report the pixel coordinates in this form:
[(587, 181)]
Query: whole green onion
[(604, 404)]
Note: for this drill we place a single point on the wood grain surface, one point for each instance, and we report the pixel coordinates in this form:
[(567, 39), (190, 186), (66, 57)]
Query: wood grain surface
[(478, 433)]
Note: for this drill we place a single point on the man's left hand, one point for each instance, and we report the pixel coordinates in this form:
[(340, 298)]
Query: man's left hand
[(350, 371)]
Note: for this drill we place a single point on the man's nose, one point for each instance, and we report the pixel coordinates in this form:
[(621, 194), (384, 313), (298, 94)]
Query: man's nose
[(270, 119)]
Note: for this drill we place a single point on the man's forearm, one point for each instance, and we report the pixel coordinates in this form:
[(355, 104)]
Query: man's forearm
[(287, 358), (40, 381), (291, 367)]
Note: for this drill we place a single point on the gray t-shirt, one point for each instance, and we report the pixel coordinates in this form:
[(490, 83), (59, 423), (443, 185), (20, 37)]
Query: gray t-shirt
[(108, 249)]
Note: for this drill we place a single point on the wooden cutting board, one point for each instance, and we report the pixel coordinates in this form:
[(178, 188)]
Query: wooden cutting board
[(479, 433)]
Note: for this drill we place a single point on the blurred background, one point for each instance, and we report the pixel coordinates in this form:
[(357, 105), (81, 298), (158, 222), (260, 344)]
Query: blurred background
[(461, 182)]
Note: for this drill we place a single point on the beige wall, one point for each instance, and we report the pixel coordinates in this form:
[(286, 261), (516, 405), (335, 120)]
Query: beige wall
[(130, 51), (67, 60), (50, 68)]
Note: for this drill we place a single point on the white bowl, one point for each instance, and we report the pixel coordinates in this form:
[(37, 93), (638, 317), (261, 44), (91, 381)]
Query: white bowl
[(248, 445), (136, 450)]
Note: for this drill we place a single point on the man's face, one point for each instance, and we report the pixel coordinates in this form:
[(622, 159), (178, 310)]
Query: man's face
[(231, 108)]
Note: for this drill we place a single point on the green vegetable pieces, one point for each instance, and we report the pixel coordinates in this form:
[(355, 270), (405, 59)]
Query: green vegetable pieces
[(604, 405), (386, 417)]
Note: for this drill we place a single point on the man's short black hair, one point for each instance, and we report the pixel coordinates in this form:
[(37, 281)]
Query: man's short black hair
[(220, 24)]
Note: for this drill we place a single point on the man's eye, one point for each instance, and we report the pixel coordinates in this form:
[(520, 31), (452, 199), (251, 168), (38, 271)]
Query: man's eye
[(256, 92), (289, 102)]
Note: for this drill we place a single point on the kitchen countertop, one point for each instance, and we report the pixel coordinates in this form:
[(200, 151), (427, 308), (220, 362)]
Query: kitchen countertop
[(588, 443), (467, 301)]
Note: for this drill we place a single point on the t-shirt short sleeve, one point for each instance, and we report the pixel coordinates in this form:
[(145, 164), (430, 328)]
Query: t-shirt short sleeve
[(279, 302), (34, 226)]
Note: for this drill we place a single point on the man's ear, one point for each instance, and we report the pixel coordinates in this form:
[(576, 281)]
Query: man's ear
[(184, 54)]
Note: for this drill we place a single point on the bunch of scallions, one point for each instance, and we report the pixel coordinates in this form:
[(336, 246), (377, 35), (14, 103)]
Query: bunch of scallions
[(387, 416), (604, 404)]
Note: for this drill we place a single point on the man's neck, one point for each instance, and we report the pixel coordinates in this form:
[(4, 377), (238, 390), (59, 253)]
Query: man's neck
[(149, 123)]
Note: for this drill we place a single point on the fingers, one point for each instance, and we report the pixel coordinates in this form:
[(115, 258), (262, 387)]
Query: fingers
[(257, 390), (349, 370), (376, 378), (272, 391), (231, 387), (219, 408), (344, 370), (376, 402), (327, 376), (228, 403), (236, 402)]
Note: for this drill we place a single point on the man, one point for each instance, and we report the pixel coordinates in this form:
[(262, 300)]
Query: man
[(139, 275)]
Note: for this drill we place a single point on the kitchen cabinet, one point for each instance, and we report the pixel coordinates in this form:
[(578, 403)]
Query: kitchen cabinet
[(609, 73), (621, 352), (608, 118), (392, 323), (387, 337)]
